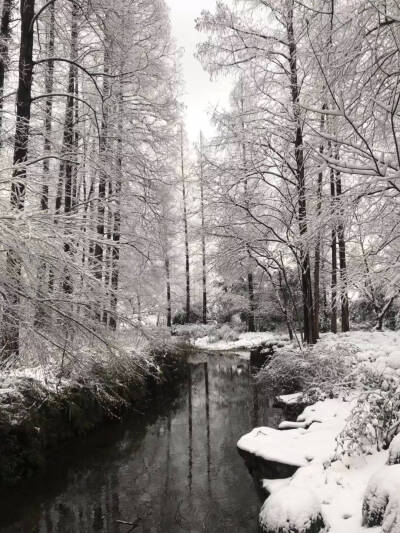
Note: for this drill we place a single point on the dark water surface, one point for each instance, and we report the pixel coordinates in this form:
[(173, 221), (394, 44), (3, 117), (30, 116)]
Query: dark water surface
[(177, 469)]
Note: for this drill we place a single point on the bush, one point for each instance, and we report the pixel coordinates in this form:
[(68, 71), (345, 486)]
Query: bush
[(318, 375), (375, 418), (180, 317), (223, 333), (192, 331)]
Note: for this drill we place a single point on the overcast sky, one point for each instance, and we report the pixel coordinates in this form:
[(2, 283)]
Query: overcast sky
[(201, 94)]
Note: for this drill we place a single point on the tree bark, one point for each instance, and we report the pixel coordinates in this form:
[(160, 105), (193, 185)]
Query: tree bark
[(11, 318), (69, 152), (333, 257), (185, 225), (41, 313), (250, 321), (284, 306), (203, 233), (308, 309), (99, 249), (5, 34), (317, 261), (169, 307), (344, 298), (116, 233)]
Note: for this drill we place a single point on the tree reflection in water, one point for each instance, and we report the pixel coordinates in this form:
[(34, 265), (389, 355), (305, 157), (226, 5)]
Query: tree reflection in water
[(176, 471)]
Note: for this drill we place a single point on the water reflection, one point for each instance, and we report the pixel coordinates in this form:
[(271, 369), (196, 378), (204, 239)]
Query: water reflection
[(179, 472)]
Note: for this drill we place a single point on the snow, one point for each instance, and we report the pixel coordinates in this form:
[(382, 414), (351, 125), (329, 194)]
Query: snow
[(288, 508), (394, 451), (273, 485), (246, 341), (339, 484), (383, 488), (298, 446), (290, 399)]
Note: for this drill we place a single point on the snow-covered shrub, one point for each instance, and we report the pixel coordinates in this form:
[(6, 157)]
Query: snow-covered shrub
[(383, 487), (319, 374), (391, 518), (376, 416), (223, 333), (292, 510), (394, 451), (191, 331)]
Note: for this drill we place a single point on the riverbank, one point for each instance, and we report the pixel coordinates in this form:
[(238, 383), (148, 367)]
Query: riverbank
[(41, 408), (176, 468), (244, 342), (338, 444)]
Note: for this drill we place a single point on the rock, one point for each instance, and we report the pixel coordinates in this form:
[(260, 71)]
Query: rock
[(292, 510), (262, 354)]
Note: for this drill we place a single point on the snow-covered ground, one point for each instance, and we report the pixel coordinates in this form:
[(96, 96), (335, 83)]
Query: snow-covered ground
[(246, 341), (339, 484)]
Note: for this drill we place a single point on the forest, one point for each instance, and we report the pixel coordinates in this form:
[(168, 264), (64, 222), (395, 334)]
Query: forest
[(126, 247), (287, 214)]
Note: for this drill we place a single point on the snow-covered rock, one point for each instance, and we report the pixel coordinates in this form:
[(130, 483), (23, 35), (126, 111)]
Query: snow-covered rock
[(292, 510), (393, 361), (394, 451), (391, 519), (384, 486), (300, 446)]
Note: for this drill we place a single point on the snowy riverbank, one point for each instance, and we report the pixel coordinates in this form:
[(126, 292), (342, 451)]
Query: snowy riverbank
[(332, 444), (40, 407), (245, 341)]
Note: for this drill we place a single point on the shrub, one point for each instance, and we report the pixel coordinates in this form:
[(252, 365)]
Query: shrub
[(381, 499), (192, 331), (375, 418), (223, 333), (318, 375)]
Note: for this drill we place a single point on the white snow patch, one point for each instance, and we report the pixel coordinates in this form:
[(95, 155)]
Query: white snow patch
[(394, 451), (273, 485), (246, 341), (290, 399), (297, 446), (290, 508)]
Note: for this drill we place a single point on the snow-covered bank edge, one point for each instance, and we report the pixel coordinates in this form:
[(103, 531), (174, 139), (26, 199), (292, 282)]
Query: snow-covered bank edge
[(337, 482), (245, 342), (38, 411)]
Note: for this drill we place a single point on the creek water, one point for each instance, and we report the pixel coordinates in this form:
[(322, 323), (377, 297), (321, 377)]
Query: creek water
[(174, 469)]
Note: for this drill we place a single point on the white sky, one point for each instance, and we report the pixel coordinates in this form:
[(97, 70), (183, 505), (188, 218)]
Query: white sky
[(201, 95)]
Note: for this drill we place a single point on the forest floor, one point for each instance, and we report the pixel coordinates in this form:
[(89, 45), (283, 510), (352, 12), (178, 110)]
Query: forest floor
[(336, 444)]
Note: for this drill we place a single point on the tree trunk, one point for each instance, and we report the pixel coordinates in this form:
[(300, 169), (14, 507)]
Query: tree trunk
[(67, 173), (185, 225), (250, 321), (10, 341), (284, 307), (5, 34), (203, 233), (344, 298), (334, 258), (99, 250), (41, 313), (169, 308), (116, 234), (308, 310), (317, 261)]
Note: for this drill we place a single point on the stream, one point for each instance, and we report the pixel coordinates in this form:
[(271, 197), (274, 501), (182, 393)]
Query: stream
[(174, 470)]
